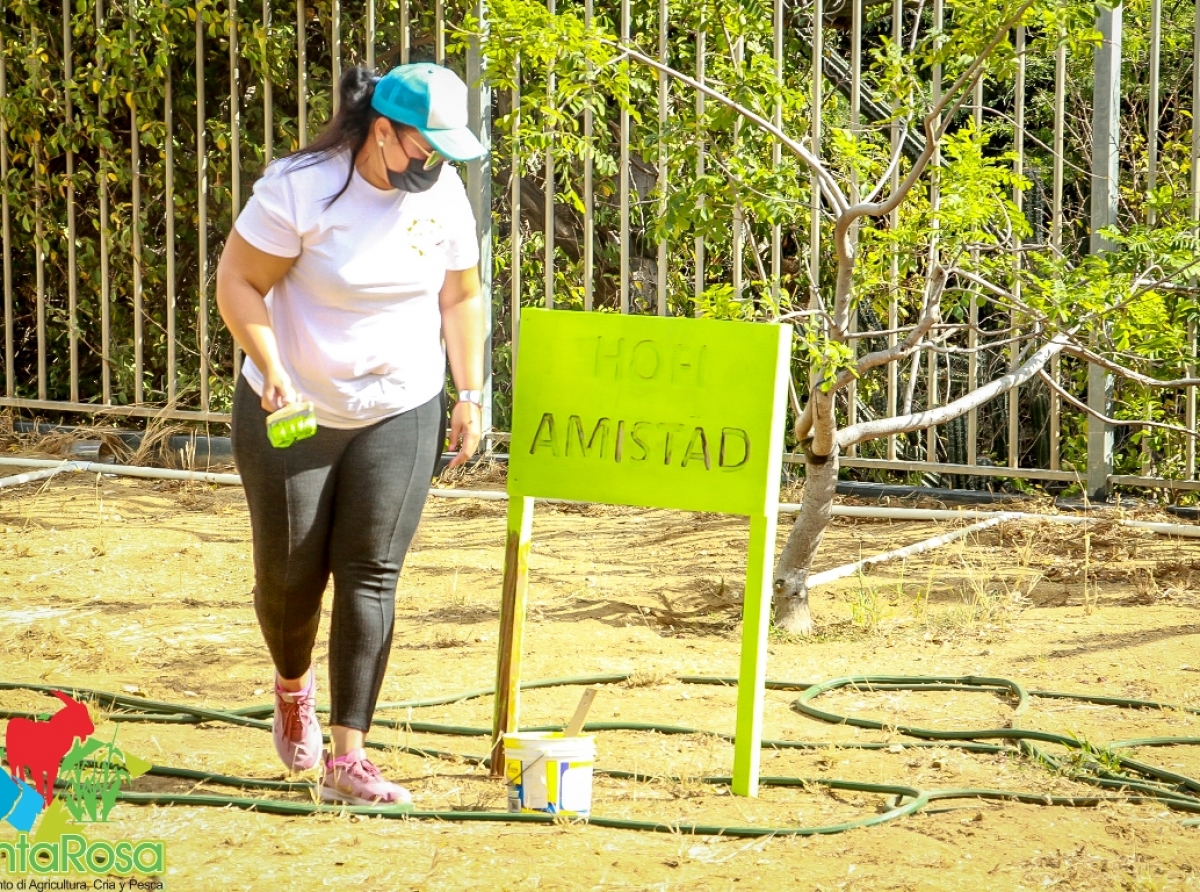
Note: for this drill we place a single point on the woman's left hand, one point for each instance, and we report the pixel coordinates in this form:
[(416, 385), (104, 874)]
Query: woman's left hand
[(466, 427)]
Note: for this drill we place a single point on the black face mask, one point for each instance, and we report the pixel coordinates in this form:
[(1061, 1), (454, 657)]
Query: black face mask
[(414, 178)]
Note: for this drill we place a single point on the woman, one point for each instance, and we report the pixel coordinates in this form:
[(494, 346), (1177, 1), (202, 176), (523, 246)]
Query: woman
[(348, 268)]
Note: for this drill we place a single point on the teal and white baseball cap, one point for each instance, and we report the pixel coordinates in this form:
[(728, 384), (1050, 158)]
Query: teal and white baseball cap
[(433, 99)]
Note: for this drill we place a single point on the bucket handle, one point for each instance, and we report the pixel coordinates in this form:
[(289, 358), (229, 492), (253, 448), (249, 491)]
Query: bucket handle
[(532, 765)]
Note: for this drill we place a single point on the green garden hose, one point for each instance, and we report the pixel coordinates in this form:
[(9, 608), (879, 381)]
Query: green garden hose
[(1104, 767)]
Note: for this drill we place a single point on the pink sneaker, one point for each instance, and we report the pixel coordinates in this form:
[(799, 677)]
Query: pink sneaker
[(354, 779), (295, 729)]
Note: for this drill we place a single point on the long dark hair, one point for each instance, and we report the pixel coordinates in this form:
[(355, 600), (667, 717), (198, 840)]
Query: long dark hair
[(348, 129)]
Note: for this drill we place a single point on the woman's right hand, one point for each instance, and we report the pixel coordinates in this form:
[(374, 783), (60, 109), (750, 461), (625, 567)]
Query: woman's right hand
[(278, 390)]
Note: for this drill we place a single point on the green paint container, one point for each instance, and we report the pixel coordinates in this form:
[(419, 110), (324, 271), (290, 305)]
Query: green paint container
[(291, 424)]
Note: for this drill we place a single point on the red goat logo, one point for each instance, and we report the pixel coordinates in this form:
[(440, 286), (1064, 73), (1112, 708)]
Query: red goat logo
[(39, 747)]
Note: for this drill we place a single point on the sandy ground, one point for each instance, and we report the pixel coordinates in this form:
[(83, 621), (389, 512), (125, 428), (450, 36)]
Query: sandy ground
[(144, 588)]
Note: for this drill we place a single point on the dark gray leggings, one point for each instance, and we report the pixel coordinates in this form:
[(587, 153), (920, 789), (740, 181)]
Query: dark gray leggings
[(346, 503)]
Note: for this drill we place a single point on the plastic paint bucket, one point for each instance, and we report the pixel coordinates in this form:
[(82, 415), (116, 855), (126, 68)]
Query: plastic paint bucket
[(549, 773)]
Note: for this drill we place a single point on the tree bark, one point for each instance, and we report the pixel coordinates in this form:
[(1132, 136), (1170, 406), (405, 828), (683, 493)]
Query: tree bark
[(791, 572)]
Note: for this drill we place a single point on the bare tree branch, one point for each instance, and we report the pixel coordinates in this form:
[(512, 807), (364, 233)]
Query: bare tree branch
[(803, 425), (794, 398), (1143, 287), (1079, 404), (930, 315), (938, 345), (893, 162), (935, 126), (1081, 352), (883, 427), (829, 186)]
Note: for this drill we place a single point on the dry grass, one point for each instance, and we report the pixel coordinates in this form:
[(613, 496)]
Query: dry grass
[(154, 448), (486, 473), (167, 611), (647, 678)]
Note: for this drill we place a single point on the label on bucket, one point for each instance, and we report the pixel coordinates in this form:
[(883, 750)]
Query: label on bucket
[(575, 786), (545, 779), (554, 787)]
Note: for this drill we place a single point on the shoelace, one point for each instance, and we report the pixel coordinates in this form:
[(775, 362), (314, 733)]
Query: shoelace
[(363, 769), (293, 720)]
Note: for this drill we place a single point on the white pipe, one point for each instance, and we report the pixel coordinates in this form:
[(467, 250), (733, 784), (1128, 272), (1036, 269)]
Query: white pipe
[(31, 477), (122, 470), (869, 512), (880, 512), (827, 576), (1187, 531), (486, 495)]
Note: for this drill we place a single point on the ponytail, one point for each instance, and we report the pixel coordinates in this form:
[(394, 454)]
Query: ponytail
[(349, 128)]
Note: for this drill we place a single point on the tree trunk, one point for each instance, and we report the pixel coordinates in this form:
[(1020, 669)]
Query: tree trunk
[(791, 573)]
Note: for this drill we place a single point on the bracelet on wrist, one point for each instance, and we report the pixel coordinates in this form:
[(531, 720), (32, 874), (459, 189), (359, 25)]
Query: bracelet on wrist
[(471, 396)]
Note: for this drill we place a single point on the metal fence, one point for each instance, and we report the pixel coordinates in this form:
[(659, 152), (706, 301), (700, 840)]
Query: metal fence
[(101, 315)]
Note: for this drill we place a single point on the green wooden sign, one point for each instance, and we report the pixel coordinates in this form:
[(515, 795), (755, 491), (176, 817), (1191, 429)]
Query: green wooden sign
[(659, 413), (662, 413)]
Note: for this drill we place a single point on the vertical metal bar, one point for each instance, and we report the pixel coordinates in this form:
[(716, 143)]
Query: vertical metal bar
[(1152, 182), (893, 381), (135, 223), (301, 75), (371, 47), (931, 385), (1152, 103), (37, 166), (335, 49), (39, 254), (589, 210), (405, 40), (663, 94), (6, 231), (623, 173), (1060, 108), (169, 212), (439, 32), (1014, 397), (105, 282), (737, 251), (1189, 410), (479, 188), (856, 24), (1056, 234), (548, 192), (1106, 154), (268, 97), (814, 236), (776, 147), (935, 204), (202, 207), (235, 136), (72, 267), (973, 315), (515, 226), (1190, 393), (699, 252)]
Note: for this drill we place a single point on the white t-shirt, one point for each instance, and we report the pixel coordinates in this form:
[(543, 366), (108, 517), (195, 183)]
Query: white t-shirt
[(357, 317)]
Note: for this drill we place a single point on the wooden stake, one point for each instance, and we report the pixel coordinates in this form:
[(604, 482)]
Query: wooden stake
[(581, 711), (512, 626)]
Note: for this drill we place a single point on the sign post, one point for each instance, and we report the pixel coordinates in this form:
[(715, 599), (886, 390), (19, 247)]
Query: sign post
[(657, 413)]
